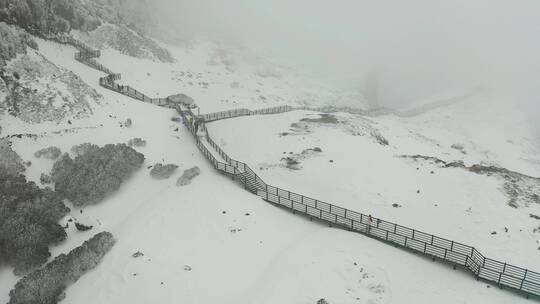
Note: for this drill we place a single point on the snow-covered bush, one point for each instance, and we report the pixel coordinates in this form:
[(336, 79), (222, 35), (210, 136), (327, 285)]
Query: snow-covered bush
[(10, 161), (84, 148), (28, 222), (37, 90), (127, 41), (47, 285), (14, 41), (160, 171), (137, 142), (88, 178), (49, 153), (51, 16), (45, 179), (188, 176)]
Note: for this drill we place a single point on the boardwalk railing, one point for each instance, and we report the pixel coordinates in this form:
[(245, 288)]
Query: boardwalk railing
[(453, 252), (470, 258), (244, 112), (87, 55)]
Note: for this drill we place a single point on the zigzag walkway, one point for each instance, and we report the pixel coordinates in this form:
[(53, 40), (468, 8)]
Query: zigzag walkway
[(469, 258)]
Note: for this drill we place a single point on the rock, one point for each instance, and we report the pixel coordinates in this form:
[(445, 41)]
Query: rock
[(291, 163), (82, 227), (128, 123), (160, 171), (457, 147), (322, 301), (48, 153), (379, 138), (90, 177), (137, 254), (137, 142), (317, 149), (187, 268), (188, 176), (396, 205)]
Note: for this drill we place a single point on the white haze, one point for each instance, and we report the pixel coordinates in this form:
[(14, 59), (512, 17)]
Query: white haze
[(416, 48)]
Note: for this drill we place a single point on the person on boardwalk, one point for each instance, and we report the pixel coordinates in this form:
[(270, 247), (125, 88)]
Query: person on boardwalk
[(200, 129), (370, 223), (188, 120), (196, 125)]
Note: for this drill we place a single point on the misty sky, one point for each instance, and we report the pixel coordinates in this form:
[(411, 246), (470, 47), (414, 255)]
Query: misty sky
[(416, 47)]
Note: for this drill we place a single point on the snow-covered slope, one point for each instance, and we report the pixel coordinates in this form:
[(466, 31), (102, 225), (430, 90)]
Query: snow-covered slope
[(213, 242), (356, 170)]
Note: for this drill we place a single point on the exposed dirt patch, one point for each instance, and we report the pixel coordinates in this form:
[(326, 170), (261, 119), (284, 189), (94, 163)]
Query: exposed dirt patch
[(324, 118), (354, 127), (520, 189)]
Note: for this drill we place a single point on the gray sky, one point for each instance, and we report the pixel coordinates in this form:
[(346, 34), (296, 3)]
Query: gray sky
[(416, 47)]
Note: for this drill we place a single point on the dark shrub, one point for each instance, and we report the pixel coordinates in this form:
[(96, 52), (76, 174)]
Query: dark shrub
[(89, 177), (28, 222), (48, 284)]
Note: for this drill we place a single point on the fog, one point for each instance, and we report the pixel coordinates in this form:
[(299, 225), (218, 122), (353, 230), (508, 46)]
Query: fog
[(411, 49)]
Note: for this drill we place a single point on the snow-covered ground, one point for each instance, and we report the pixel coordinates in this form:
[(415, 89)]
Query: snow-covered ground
[(355, 171), (211, 241)]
